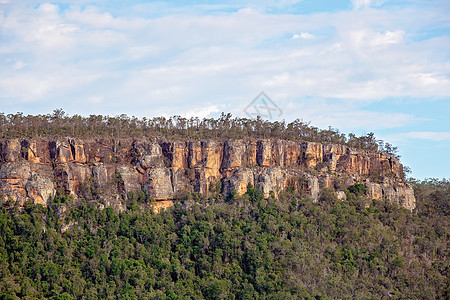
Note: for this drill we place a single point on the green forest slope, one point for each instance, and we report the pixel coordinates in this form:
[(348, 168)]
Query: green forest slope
[(234, 248)]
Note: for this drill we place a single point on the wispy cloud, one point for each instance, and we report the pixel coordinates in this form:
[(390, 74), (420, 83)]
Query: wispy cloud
[(442, 136), (303, 35), (191, 59), (358, 4), (343, 115)]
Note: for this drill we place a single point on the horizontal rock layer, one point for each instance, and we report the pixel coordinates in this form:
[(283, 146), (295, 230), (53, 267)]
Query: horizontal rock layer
[(35, 169)]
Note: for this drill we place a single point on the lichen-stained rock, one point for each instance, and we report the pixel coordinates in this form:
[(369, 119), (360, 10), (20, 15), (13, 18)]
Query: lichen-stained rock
[(406, 197), (238, 181), (401, 194), (336, 149), (212, 158), (176, 154), (130, 178), (374, 191), (40, 189), (331, 160), (61, 152), (272, 179), (389, 193), (153, 159), (204, 162), (354, 163), (13, 178), (249, 158), (264, 153), (396, 168), (313, 187), (15, 170), (159, 185), (292, 153), (22, 180), (278, 158), (233, 152), (103, 174), (201, 183), (102, 150), (71, 176), (155, 149), (11, 150), (180, 182), (122, 150), (312, 154), (36, 151), (194, 154), (326, 181), (77, 148), (139, 148)]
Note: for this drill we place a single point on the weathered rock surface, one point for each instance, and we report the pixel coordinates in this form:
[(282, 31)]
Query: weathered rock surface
[(35, 169), (130, 179), (40, 189), (161, 205)]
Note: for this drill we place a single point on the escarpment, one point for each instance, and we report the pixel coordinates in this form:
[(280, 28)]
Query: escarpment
[(35, 169)]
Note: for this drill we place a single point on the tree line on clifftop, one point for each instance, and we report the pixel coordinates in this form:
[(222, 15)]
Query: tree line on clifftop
[(225, 127), (246, 247)]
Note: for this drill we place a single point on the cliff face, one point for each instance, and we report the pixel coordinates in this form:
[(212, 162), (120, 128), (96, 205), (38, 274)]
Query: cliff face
[(35, 169)]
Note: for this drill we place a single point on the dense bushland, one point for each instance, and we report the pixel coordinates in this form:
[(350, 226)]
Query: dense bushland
[(247, 247)]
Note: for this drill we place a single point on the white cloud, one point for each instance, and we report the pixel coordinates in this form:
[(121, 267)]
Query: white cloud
[(19, 65), (25, 88), (202, 112), (380, 39), (248, 10), (430, 80), (303, 35), (175, 63), (358, 4), (90, 17), (48, 8), (40, 30)]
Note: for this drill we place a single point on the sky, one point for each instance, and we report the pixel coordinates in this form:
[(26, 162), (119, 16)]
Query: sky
[(357, 65)]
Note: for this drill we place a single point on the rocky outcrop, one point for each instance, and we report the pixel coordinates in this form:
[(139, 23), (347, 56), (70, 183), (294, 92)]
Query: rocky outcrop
[(39, 188), (36, 169), (159, 206), (128, 179)]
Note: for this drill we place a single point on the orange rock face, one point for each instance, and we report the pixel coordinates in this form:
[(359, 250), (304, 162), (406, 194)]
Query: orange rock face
[(35, 169), (159, 206)]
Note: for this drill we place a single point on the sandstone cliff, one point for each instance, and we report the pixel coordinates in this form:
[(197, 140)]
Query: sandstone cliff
[(35, 169)]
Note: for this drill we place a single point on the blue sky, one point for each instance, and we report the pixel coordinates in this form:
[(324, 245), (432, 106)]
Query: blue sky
[(361, 66)]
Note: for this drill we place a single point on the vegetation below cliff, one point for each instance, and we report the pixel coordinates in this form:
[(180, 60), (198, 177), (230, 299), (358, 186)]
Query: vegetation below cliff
[(246, 247)]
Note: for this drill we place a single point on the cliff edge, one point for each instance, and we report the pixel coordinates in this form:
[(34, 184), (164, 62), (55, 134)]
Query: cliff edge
[(34, 169)]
